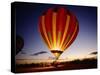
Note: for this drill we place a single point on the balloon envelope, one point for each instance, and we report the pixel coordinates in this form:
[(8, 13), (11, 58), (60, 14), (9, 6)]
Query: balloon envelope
[(58, 28)]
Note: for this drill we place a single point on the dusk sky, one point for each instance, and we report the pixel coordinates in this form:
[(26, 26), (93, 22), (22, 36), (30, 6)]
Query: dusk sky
[(27, 17)]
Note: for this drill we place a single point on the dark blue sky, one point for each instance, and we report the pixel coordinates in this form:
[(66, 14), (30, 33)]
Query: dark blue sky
[(27, 27)]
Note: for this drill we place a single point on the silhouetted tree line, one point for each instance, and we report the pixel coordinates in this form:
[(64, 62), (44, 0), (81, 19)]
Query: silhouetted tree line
[(33, 65), (88, 62)]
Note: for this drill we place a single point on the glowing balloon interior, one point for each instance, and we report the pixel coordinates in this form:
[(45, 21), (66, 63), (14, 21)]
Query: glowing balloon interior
[(58, 28)]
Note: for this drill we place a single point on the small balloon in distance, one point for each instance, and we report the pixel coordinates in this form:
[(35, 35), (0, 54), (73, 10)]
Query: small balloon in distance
[(19, 44)]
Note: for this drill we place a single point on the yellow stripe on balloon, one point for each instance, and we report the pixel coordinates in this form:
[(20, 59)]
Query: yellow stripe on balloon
[(54, 29), (45, 41), (65, 31), (50, 38), (44, 31), (66, 45), (59, 39)]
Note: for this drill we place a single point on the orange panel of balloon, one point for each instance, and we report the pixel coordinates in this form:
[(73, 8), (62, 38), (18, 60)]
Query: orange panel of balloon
[(52, 37), (58, 28)]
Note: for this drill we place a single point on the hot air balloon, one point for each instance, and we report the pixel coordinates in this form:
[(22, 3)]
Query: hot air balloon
[(19, 44), (58, 28)]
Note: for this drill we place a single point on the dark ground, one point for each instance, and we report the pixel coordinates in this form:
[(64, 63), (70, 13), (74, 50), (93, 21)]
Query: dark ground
[(71, 65)]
